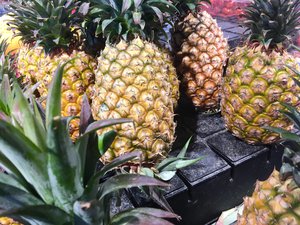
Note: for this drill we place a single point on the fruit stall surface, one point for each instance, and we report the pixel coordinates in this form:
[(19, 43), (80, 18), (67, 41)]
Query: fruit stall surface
[(229, 167)]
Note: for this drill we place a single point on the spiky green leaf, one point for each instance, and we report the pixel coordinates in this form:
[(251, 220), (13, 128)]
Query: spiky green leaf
[(145, 216), (92, 187), (12, 197), (41, 215), (105, 140), (127, 181), (27, 158)]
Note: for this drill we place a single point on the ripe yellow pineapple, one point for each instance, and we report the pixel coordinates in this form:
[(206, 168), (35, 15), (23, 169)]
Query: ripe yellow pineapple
[(257, 79), (7, 34), (136, 79), (49, 41), (201, 52), (276, 201)]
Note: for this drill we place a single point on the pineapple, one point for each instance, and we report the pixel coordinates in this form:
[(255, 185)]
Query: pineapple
[(50, 179), (50, 37), (201, 51), (135, 78), (277, 200), (7, 34), (257, 79)]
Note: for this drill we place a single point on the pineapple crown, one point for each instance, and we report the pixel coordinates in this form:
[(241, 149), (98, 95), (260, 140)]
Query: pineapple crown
[(186, 6), (291, 156), (127, 19), (47, 23), (272, 22), (49, 179)]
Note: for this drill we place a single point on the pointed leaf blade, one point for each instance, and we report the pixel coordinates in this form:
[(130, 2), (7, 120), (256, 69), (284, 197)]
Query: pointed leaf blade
[(127, 181), (92, 186), (184, 149), (43, 214), (63, 166), (12, 198), (105, 140), (26, 157)]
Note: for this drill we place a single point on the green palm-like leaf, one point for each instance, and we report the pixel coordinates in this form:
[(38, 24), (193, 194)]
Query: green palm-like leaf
[(105, 123), (13, 181), (105, 140), (33, 129), (285, 134), (41, 215), (12, 197), (145, 216), (10, 168), (27, 158), (63, 163), (127, 181), (51, 180), (62, 158), (53, 107), (92, 187)]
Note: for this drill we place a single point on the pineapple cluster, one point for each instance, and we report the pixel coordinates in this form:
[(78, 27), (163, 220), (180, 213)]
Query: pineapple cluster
[(113, 59)]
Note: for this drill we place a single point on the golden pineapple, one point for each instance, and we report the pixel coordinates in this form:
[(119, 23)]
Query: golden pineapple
[(38, 67), (56, 43), (274, 202), (257, 77), (7, 34), (136, 79), (201, 53)]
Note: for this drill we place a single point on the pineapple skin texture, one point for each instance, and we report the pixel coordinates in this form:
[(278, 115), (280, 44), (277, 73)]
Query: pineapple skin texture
[(137, 80), (201, 56), (254, 85), (274, 202), (34, 65)]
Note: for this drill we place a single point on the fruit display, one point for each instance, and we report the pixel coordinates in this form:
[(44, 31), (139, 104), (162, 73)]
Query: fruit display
[(7, 34), (90, 111), (257, 79), (201, 51), (276, 200), (135, 79), (47, 43), (50, 179), (226, 8)]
